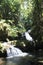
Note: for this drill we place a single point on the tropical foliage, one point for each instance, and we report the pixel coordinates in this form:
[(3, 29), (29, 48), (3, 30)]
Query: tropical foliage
[(20, 16)]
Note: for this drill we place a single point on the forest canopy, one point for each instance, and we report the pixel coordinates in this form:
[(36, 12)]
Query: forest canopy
[(18, 16)]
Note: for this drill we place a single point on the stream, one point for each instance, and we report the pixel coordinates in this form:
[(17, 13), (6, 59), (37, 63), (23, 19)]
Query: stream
[(33, 58)]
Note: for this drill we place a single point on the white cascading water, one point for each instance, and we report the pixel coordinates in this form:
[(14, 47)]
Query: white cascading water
[(13, 51), (28, 37)]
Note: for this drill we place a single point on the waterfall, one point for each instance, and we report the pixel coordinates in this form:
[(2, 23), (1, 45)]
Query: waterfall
[(13, 51)]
